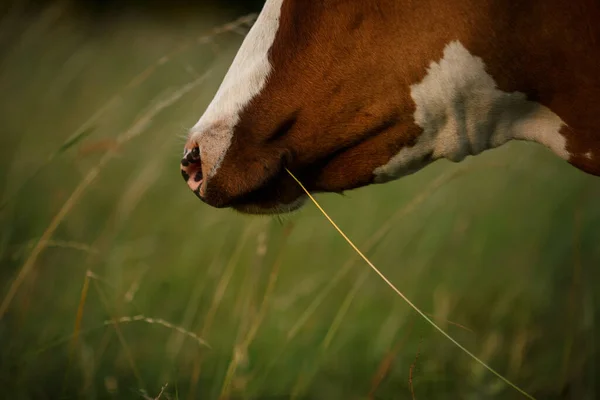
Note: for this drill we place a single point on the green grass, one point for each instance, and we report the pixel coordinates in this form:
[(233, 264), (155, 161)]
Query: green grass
[(502, 249)]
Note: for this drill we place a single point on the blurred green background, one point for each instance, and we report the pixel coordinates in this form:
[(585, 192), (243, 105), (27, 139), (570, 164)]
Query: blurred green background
[(502, 250)]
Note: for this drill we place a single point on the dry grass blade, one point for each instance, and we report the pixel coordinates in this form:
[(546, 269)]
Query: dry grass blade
[(162, 391), (453, 323), (242, 348), (145, 395), (339, 317), (79, 317), (124, 345), (269, 290), (175, 343), (62, 244), (410, 303), (386, 364), (136, 129), (216, 301), (77, 327), (158, 321)]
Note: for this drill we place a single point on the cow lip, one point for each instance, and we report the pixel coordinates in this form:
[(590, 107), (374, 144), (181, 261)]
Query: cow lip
[(265, 199), (264, 189), (270, 209)]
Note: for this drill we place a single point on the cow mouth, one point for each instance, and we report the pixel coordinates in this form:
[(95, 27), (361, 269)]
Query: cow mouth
[(280, 194)]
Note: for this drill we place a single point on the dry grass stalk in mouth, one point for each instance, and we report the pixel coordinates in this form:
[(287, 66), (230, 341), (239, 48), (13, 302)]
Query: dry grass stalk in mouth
[(410, 303)]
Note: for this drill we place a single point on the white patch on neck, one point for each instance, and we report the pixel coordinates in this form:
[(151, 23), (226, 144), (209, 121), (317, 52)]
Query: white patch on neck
[(245, 79), (588, 155), (462, 113)]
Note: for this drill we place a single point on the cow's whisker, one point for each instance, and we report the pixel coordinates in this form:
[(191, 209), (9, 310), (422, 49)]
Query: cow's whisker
[(410, 303)]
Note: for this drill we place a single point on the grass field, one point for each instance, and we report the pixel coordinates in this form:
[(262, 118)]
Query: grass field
[(502, 250)]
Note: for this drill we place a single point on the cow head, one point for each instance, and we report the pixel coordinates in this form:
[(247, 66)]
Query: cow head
[(347, 93)]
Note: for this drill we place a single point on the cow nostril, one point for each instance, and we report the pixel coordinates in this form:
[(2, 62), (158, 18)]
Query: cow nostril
[(191, 170), (198, 176), (191, 156)]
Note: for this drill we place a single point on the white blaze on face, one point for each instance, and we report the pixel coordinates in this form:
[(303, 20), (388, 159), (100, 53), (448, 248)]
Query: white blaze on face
[(462, 112), (245, 79)]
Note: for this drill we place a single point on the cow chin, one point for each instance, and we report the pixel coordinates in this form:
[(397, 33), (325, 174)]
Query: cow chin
[(279, 194), (270, 208)]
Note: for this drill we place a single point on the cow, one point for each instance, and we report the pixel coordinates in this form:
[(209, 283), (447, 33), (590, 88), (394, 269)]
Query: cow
[(348, 93)]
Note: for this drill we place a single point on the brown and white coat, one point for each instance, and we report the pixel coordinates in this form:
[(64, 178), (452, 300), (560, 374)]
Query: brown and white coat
[(346, 93)]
